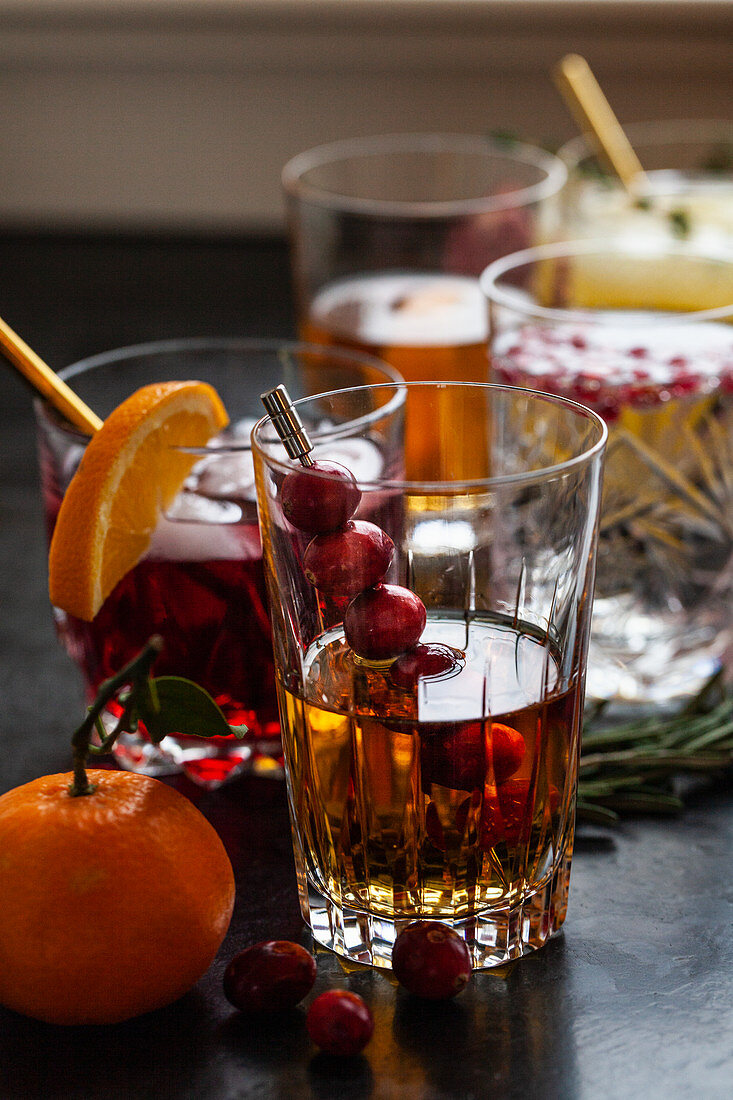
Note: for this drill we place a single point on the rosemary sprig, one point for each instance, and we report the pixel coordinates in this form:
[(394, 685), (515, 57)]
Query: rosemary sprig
[(632, 768)]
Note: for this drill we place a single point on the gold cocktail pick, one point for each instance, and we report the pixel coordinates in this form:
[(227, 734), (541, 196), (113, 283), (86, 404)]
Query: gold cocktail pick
[(46, 381), (593, 113)]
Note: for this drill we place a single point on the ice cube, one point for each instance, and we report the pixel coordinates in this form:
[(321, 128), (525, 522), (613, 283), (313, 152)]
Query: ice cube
[(226, 476), (198, 528), (361, 456)]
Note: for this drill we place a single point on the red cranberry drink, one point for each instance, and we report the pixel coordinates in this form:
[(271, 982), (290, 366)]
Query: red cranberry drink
[(201, 587), (430, 669), (200, 584)]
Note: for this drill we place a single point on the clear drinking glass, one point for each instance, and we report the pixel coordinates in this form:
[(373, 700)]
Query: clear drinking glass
[(200, 584), (623, 330), (388, 237), (687, 195), (431, 755)]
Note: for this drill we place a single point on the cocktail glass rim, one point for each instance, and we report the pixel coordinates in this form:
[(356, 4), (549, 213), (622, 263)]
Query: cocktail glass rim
[(528, 477), (518, 300), (232, 344), (555, 174), (677, 131)]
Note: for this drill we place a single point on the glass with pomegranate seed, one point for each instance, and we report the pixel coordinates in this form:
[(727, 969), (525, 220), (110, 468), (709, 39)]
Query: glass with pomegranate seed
[(201, 584), (430, 643), (643, 336), (389, 234)]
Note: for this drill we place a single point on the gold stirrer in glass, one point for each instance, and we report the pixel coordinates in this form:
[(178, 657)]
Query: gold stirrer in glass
[(593, 113), (46, 381)]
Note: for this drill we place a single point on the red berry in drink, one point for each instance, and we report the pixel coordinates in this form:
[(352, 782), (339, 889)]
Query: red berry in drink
[(507, 750), (457, 756), (320, 497), (423, 660), (342, 563), (506, 818), (339, 1022), (384, 621), (453, 756), (434, 827), (508, 812), (431, 960), (269, 977)]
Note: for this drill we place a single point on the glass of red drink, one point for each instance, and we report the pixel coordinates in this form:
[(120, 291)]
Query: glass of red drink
[(641, 332), (200, 585), (389, 235), (430, 657)]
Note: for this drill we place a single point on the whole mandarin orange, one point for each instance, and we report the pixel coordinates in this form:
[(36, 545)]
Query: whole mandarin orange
[(114, 903)]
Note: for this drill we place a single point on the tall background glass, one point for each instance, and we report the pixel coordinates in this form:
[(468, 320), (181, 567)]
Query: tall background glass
[(388, 237), (687, 194), (436, 777), (200, 584), (622, 329)]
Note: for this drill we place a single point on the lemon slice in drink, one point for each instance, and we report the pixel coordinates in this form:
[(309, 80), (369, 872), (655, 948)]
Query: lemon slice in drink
[(130, 473)]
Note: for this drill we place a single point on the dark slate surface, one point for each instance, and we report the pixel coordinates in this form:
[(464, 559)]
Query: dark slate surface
[(634, 999)]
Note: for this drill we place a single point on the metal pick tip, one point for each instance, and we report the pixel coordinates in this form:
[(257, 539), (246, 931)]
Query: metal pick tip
[(287, 424)]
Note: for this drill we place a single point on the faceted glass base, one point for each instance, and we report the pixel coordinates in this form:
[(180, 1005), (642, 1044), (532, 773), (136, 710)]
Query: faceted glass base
[(494, 936)]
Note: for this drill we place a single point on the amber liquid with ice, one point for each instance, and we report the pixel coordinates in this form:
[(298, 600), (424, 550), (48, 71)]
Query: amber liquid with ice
[(395, 799), (429, 328)]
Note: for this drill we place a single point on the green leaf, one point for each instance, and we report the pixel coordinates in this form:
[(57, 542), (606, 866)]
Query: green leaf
[(596, 815), (173, 705)]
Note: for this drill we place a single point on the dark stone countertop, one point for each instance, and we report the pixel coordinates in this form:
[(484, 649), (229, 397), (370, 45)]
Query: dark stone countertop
[(634, 999)]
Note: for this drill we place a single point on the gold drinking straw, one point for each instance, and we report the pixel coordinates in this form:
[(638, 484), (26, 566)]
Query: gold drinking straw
[(48, 384), (593, 113)]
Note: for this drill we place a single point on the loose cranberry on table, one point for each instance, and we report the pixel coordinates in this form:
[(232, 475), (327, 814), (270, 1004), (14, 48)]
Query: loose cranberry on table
[(339, 1022), (384, 621), (344, 562), (269, 977), (431, 960), (316, 503)]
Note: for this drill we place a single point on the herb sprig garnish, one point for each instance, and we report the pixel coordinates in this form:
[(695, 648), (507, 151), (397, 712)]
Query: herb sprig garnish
[(632, 768)]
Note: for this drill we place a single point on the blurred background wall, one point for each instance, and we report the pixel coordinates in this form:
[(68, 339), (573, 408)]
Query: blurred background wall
[(155, 114)]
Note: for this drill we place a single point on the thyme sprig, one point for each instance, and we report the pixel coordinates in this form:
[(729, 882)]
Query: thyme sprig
[(634, 768)]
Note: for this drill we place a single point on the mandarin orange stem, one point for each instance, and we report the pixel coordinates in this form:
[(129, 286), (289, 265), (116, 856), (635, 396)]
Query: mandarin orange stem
[(46, 381), (136, 673)]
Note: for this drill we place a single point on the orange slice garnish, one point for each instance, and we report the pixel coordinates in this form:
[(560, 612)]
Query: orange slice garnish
[(130, 473)]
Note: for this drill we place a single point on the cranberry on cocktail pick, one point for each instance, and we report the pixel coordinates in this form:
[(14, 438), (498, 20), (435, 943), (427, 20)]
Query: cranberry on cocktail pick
[(311, 501), (384, 621), (339, 1022), (316, 503), (431, 960), (344, 562), (271, 976)]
